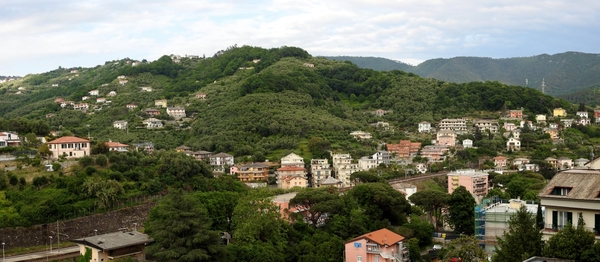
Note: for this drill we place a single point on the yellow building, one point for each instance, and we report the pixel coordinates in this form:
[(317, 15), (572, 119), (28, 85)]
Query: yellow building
[(559, 112)]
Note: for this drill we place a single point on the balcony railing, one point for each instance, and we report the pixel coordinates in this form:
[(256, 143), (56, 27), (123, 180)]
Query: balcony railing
[(373, 248), (555, 227)]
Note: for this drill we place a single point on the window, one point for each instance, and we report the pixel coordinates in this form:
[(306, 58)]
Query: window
[(358, 258), (561, 219), (560, 191)]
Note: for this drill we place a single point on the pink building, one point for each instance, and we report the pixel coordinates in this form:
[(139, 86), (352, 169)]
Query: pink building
[(70, 147), (283, 202), (291, 176), (381, 246), (475, 182)]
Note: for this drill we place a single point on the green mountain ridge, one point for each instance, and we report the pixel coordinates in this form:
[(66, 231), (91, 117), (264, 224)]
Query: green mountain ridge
[(259, 102), (563, 73)]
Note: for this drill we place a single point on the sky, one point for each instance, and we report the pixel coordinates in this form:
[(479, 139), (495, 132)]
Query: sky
[(37, 36)]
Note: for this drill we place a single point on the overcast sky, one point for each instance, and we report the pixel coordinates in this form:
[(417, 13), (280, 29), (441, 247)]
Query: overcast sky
[(40, 35)]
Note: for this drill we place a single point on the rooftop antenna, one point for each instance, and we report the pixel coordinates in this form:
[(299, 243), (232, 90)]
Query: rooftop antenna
[(543, 85)]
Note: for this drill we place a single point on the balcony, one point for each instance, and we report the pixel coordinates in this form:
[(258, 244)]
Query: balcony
[(556, 228), (373, 248)]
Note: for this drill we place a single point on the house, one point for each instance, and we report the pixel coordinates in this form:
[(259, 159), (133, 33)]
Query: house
[(475, 182), (424, 127), (366, 163), (569, 196), (283, 203), (330, 182), (111, 246), (176, 112), (83, 98), (116, 146), (446, 137), (564, 163), (9, 139), (486, 125), (559, 112), (201, 96), (94, 92), (69, 147), (146, 88), (320, 169), (531, 167), (405, 188), (385, 126), (344, 167), (81, 106), (509, 126), (292, 160), (500, 161), (434, 153), (123, 81), (202, 155), (133, 106), (112, 93), (382, 157), (540, 119), (553, 132), (221, 159), (582, 114), (584, 121), (308, 65), (120, 124), (467, 143), (552, 161), (182, 149), (59, 100), (251, 172), (380, 245), (361, 135), (49, 115), (100, 100), (405, 148), (458, 125), (152, 112), (147, 147), (162, 103), (513, 144), (580, 162), (379, 112), (567, 122), (121, 77), (519, 161), (291, 176), (151, 123), (553, 125), (518, 114)]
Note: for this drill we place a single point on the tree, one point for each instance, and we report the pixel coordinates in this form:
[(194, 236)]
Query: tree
[(365, 177), (523, 239), (466, 248), (539, 219), (461, 211), (422, 229), (180, 226), (85, 257), (592, 254), (106, 192), (432, 202), (316, 202), (570, 242), (101, 160), (381, 202), (319, 147)]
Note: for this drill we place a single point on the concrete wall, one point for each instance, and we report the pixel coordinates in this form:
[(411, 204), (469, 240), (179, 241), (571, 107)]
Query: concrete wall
[(38, 235)]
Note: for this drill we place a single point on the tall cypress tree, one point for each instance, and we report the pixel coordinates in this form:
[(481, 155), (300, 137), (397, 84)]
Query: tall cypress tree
[(461, 211), (522, 241)]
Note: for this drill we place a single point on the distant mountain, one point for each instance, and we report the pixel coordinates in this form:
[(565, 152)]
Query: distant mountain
[(563, 73)]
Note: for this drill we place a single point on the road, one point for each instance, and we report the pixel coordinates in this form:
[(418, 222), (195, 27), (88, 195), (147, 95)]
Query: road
[(41, 256), (416, 178)]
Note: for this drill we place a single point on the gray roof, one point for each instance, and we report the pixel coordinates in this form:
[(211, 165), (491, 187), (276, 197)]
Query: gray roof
[(330, 181), (222, 155), (116, 240), (584, 184)]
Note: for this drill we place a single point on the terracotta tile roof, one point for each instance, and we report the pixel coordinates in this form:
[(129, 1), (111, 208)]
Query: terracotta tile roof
[(68, 139), (291, 168), (115, 144), (382, 236)]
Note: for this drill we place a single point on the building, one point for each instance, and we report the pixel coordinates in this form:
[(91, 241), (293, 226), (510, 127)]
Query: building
[(487, 125), (457, 125), (292, 160), (162, 103), (381, 245), (467, 143), (116, 146), (112, 93), (475, 182), (540, 119), (343, 167), (434, 153), (201, 96), (69, 147), (405, 188), (115, 245), (146, 89), (509, 126), (176, 112), (559, 112), (221, 159), (582, 114), (120, 124), (518, 114), (330, 182), (151, 123), (513, 144), (132, 106), (424, 127), (283, 204), (405, 148), (94, 92), (567, 122), (320, 169), (202, 155), (500, 161), (491, 219), (147, 147), (569, 196), (251, 172), (9, 139), (446, 137), (182, 148), (152, 112), (290, 176), (361, 135)]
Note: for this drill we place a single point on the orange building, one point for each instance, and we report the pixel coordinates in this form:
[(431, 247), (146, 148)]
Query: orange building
[(405, 148)]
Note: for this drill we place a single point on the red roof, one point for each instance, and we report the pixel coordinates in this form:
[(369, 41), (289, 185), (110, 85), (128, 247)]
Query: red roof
[(291, 168), (68, 139), (382, 236), (115, 144)]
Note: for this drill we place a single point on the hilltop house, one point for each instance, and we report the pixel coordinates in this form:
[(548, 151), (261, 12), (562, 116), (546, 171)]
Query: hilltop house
[(201, 96), (513, 144), (467, 143), (162, 103), (152, 112), (176, 112), (120, 124), (361, 135), (446, 137), (152, 123), (518, 114), (116, 146), (291, 176), (221, 159), (146, 89), (132, 106), (251, 172), (459, 126), (112, 93), (380, 245), (69, 147), (559, 112), (292, 160), (424, 127), (94, 92), (487, 125), (9, 139), (405, 148)]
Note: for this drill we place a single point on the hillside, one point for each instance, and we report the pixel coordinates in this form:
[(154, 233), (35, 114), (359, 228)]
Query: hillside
[(259, 102), (563, 73)]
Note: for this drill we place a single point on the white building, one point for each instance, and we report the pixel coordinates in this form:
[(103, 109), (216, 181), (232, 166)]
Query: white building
[(120, 124), (457, 125), (94, 92), (176, 112), (320, 169), (152, 123), (467, 143), (361, 135), (513, 144), (424, 127), (292, 160)]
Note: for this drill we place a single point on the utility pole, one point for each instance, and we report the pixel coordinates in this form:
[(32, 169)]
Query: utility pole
[(543, 85)]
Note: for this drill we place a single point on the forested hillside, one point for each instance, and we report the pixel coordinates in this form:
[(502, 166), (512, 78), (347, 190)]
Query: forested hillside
[(259, 102), (563, 73)]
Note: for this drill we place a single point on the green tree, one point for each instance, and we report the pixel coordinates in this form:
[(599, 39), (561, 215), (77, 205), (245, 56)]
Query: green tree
[(381, 202), (466, 248), (87, 257), (592, 254), (570, 242), (539, 219), (317, 203), (106, 192), (366, 177), (101, 160), (319, 147), (422, 229), (461, 211), (432, 202), (523, 239), (180, 226)]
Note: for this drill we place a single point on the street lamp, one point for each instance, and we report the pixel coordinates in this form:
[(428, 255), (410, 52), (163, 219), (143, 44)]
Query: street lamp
[(50, 244), (3, 251)]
